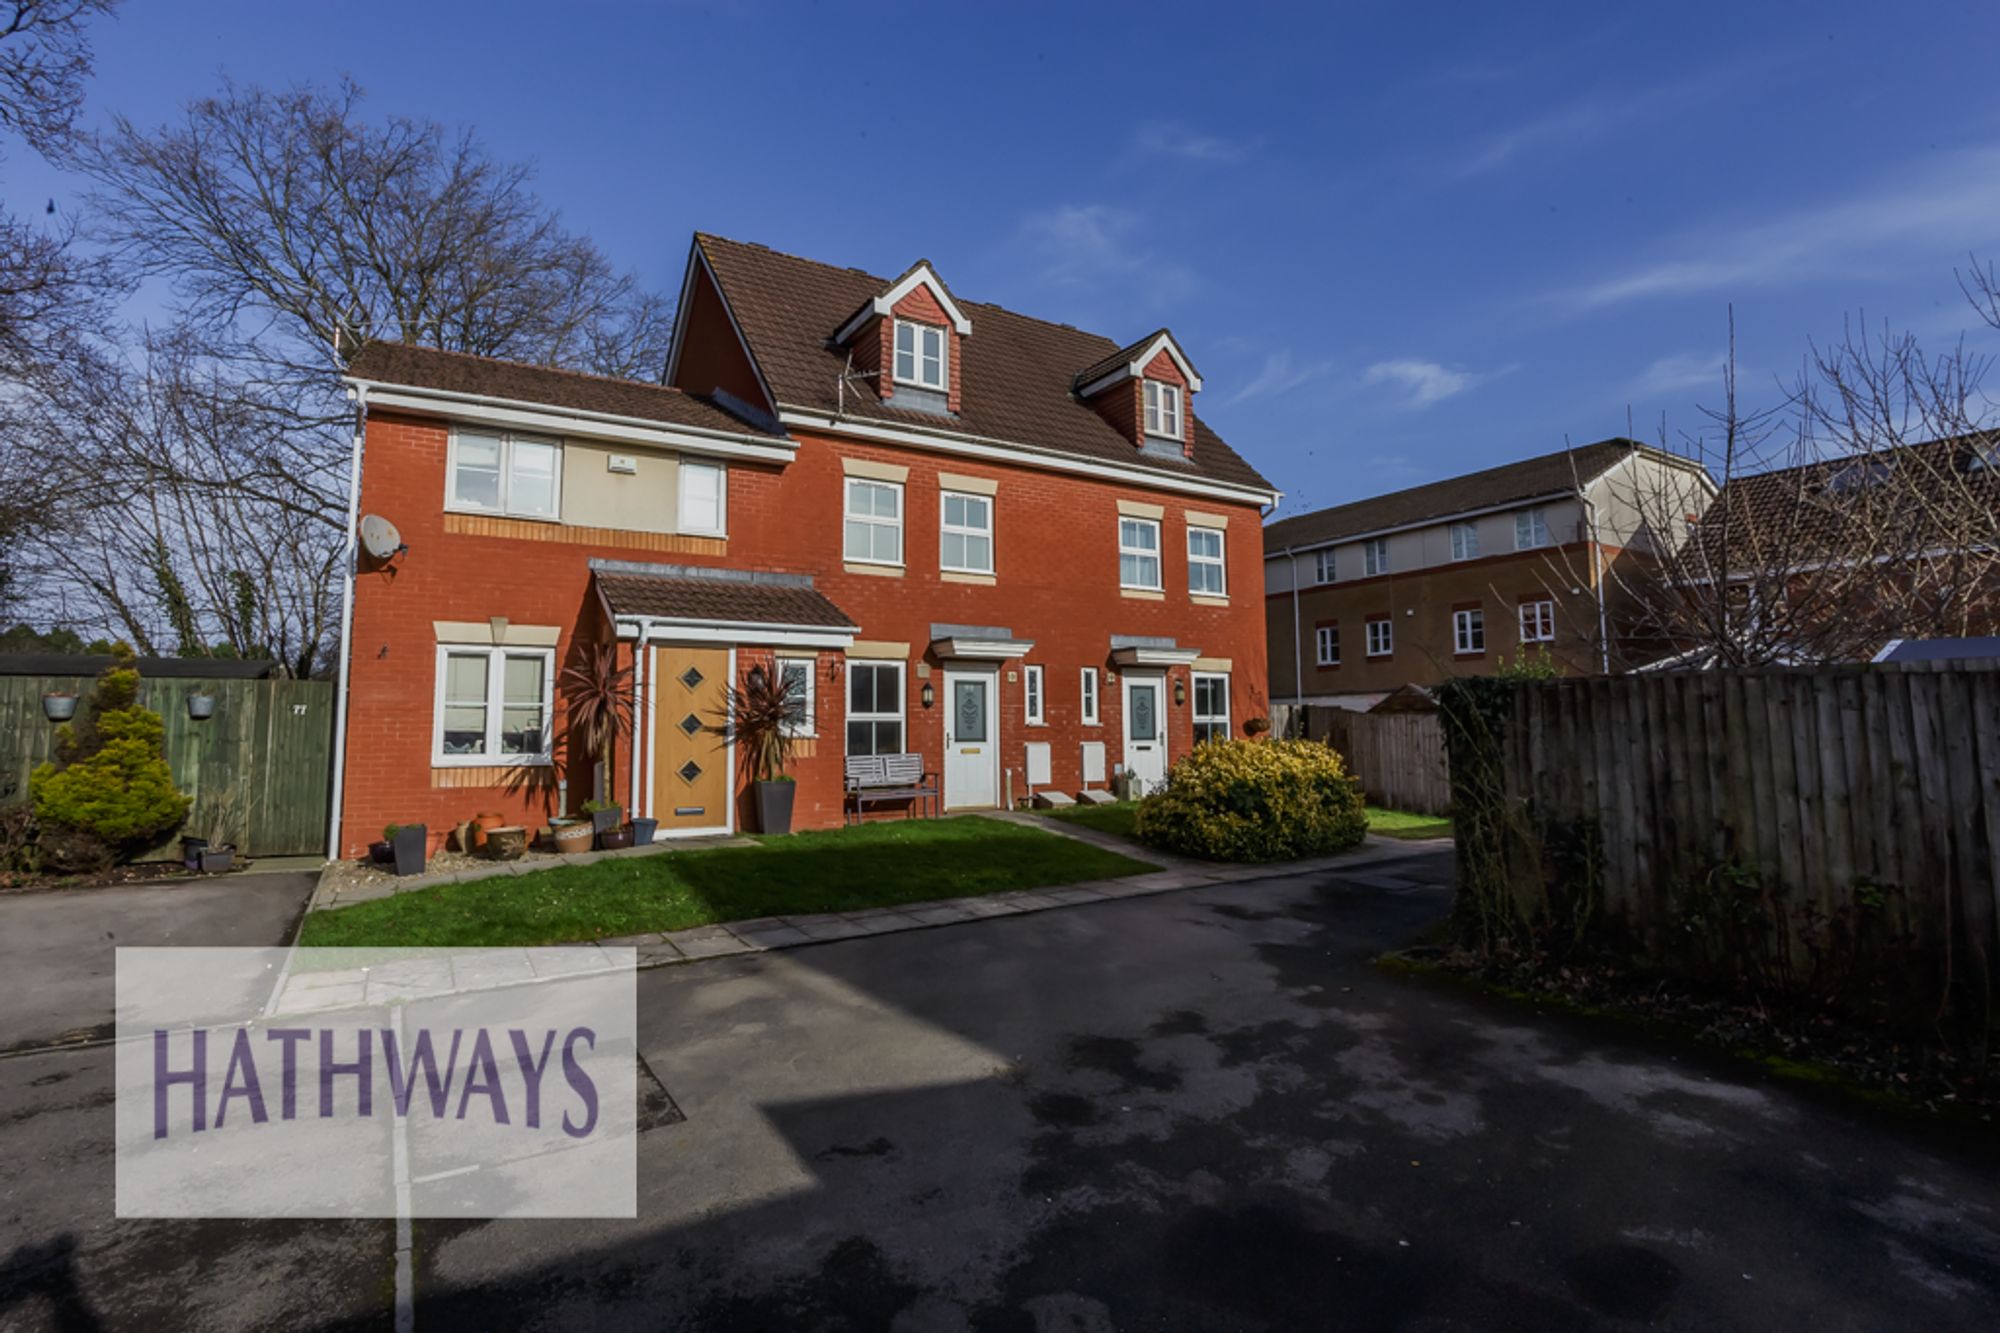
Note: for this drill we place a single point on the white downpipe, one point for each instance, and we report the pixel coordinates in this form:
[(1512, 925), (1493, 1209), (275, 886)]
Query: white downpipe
[(1597, 579), (640, 738), (360, 393)]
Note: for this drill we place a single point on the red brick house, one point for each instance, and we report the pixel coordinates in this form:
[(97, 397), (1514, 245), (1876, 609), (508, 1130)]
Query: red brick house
[(1003, 544)]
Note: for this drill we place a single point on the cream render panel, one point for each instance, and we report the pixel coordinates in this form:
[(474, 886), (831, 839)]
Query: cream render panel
[(593, 496)]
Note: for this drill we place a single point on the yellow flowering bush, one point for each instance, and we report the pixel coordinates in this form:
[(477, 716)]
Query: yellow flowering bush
[(1246, 800)]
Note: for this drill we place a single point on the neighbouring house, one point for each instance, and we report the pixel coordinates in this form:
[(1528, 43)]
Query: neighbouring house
[(1449, 578), (999, 543)]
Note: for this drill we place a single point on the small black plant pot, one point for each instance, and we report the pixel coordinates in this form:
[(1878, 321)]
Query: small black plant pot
[(643, 831), (382, 852), (215, 860), (774, 805), (191, 850), (411, 842), (614, 839)]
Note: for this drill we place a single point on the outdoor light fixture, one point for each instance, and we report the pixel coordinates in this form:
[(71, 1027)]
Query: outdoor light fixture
[(929, 695), (757, 679), (833, 668), (1180, 691)]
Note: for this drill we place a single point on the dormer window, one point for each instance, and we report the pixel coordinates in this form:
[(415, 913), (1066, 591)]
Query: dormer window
[(920, 356), (1163, 409)]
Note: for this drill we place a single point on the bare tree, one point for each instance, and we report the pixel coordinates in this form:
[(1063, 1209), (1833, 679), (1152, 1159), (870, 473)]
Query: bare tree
[(45, 60)]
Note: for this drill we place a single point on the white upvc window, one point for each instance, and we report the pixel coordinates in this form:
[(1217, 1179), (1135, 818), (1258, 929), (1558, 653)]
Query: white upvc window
[(1211, 707), (1538, 620), (965, 542), (704, 505), (1031, 678), (1375, 557), (1326, 640), (1205, 569), (795, 675), (1139, 553), (875, 708), (1464, 541), (1325, 569), (493, 706), (1163, 410), (1089, 696), (921, 356), (874, 521), (1381, 637), (1468, 631), (504, 474), (1531, 529)]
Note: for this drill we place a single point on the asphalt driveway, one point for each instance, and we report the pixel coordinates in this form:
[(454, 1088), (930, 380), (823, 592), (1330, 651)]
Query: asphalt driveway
[(1197, 1110)]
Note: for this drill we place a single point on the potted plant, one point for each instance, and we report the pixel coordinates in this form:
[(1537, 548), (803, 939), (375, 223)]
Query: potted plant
[(571, 835), (383, 851), (598, 692), (201, 707), (605, 816), (643, 831), (59, 705), (410, 845), (506, 842), (1256, 726), (762, 711), (615, 839), (483, 826), (218, 849)]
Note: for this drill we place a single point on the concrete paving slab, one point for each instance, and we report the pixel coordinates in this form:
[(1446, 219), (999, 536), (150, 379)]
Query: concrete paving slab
[(706, 942), (773, 937)]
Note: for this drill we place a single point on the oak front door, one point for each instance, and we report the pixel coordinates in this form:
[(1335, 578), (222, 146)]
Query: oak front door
[(690, 752), (971, 747)]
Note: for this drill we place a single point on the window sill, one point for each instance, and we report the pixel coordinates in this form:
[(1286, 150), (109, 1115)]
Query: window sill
[(489, 761), (1165, 439), (502, 513), (1465, 657), (1143, 594), (1208, 599), (1380, 657), (967, 576), (902, 383), (878, 571)]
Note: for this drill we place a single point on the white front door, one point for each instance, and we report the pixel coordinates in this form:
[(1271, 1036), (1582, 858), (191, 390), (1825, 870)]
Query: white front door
[(1146, 728), (971, 747)]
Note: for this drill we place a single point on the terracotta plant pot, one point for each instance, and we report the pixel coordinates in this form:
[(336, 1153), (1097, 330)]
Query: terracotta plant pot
[(483, 826), (571, 836), (506, 842)]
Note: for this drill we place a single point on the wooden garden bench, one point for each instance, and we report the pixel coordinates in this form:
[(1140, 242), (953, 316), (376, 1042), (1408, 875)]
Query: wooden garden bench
[(873, 778)]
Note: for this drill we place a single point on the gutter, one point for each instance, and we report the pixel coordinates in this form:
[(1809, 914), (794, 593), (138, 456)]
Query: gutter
[(358, 390)]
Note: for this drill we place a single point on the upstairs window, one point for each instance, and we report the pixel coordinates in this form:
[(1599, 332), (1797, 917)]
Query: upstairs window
[(1531, 529), (920, 355), (701, 499), (1375, 557), (874, 527), (1205, 563), (966, 544), (1323, 566), (1327, 640), (1163, 409), (505, 474), (1464, 541), (1139, 553)]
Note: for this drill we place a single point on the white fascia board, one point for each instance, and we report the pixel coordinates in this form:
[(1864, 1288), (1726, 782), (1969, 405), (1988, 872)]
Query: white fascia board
[(575, 422), (885, 304), (1162, 657), (696, 257), (1136, 367), (1527, 502), (982, 650), (1002, 451), (666, 629)]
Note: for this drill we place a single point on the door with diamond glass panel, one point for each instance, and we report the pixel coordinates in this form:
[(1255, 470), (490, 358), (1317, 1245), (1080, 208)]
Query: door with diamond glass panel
[(690, 755), (971, 747)]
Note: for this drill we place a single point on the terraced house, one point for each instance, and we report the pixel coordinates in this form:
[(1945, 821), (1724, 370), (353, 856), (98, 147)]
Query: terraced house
[(1449, 578), (1004, 545)]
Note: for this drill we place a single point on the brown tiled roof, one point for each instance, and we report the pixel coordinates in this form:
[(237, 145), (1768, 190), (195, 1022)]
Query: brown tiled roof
[(1015, 373), (458, 372), (1524, 480), (673, 592), (1122, 357)]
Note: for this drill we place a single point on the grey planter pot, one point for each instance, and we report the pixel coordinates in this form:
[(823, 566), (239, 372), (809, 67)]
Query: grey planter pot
[(215, 860), (643, 831), (191, 850), (774, 805), (603, 822), (412, 843)]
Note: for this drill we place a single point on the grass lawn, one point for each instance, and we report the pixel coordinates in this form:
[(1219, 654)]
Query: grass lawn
[(1403, 824), (1118, 819), (834, 870)]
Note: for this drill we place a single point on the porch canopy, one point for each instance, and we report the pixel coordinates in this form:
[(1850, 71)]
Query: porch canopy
[(1149, 650), (703, 604), (977, 643)]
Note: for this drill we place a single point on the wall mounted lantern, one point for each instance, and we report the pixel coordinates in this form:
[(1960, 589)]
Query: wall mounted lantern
[(929, 695), (757, 679), (1180, 691)]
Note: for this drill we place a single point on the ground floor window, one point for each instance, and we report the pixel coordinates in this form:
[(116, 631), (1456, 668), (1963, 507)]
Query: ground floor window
[(1211, 708), (1381, 638), (1089, 688), (875, 708), (796, 675), (493, 705), (1032, 682), (1468, 631), (1327, 638)]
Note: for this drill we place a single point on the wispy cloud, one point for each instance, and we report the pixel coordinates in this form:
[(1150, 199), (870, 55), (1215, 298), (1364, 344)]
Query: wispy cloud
[(1426, 383), (1174, 140), (1673, 373), (1083, 245), (1945, 206), (1279, 376), (1594, 119)]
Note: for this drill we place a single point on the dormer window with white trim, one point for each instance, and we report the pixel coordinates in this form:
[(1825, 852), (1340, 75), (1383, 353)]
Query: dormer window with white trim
[(1163, 410), (921, 356)]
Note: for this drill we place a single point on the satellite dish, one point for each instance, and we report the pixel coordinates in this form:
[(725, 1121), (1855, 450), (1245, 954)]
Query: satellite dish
[(379, 537)]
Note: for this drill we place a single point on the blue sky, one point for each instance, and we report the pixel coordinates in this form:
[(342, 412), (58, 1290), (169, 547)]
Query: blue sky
[(1400, 241)]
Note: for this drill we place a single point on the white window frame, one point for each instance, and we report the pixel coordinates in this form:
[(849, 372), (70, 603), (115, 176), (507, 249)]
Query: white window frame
[(1154, 554), (1325, 568), (966, 530), (1537, 619), (496, 658), (1163, 410), (1531, 529), (506, 509), (900, 716), (806, 725), (1375, 557), (1087, 687), (1033, 698), (1218, 561), (1325, 637), (682, 522), (847, 515), (1468, 631), (1194, 704), (915, 379), (1387, 637), (1465, 541)]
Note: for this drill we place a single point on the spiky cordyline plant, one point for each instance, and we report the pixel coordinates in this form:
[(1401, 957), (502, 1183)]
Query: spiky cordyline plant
[(762, 709), (599, 694)]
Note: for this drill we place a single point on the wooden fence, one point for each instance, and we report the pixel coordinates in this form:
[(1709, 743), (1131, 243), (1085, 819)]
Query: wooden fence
[(1399, 757), (264, 758)]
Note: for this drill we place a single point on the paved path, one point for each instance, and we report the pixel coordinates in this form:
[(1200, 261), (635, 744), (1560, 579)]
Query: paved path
[(57, 949)]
